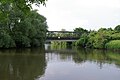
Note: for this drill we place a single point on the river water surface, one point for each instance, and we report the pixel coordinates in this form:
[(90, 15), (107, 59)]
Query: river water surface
[(59, 64)]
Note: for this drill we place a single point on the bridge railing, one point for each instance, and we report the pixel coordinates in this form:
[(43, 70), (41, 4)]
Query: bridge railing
[(62, 35)]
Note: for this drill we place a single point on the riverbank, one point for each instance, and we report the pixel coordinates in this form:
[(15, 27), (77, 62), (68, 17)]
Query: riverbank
[(104, 38)]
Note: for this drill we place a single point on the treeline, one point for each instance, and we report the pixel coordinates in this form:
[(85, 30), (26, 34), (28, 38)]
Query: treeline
[(104, 38), (20, 26)]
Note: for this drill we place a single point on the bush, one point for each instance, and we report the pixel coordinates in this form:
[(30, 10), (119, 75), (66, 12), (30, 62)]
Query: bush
[(82, 41), (114, 44), (99, 39)]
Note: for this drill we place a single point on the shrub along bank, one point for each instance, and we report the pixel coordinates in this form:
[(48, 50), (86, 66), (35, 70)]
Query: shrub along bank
[(114, 44), (101, 39)]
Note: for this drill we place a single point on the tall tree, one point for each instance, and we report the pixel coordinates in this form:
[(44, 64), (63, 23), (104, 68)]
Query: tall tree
[(18, 21)]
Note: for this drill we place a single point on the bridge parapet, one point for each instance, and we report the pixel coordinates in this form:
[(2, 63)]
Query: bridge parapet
[(62, 34)]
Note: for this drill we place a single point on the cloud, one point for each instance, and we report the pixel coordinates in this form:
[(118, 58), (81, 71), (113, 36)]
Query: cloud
[(89, 14)]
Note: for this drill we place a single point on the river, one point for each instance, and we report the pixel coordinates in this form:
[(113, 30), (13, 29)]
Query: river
[(59, 64)]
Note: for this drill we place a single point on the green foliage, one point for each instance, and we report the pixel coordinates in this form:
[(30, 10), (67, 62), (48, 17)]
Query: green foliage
[(98, 39), (22, 27), (114, 44), (58, 45), (82, 41), (82, 34), (31, 31), (117, 28), (115, 36), (9, 8), (80, 31), (91, 38), (23, 4), (20, 24), (5, 40)]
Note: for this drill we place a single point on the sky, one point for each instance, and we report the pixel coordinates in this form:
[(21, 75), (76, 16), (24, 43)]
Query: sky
[(87, 14)]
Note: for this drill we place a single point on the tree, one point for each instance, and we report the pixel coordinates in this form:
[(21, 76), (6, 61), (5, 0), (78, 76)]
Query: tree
[(80, 31), (24, 4), (20, 24), (31, 31), (9, 9), (117, 28)]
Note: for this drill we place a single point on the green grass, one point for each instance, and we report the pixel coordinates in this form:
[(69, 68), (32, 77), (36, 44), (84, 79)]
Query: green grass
[(114, 44)]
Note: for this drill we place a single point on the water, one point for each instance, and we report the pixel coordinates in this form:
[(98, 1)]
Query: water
[(59, 64)]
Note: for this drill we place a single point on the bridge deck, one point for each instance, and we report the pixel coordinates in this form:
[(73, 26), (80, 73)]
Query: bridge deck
[(68, 39), (68, 36)]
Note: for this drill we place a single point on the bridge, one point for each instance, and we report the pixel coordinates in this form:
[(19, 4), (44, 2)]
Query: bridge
[(67, 36)]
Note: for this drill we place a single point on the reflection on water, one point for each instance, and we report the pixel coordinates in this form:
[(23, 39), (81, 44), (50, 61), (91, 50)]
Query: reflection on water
[(59, 64), (26, 64), (81, 64)]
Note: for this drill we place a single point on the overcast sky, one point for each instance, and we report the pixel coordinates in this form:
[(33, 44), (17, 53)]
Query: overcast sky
[(88, 14)]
